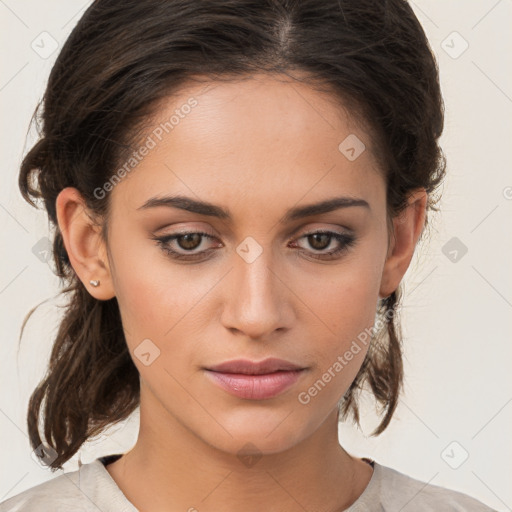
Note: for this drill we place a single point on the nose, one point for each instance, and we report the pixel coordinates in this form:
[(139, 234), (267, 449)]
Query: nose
[(258, 300)]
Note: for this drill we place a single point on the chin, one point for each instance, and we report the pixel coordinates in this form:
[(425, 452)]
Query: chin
[(264, 434)]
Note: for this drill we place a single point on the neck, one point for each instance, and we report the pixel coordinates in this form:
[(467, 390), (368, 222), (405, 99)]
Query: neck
[(180, 471)]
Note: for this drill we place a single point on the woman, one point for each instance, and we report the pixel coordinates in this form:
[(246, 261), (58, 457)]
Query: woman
[(238, 188)]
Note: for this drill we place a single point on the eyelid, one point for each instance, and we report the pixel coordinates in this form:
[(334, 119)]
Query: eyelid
[(313, 231), (296, 233), (345, 241)]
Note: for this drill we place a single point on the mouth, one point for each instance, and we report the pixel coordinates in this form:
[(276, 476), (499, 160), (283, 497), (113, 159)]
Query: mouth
[(255, 380)]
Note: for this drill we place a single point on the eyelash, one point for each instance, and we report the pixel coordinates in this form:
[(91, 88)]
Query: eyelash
[(345, 240)]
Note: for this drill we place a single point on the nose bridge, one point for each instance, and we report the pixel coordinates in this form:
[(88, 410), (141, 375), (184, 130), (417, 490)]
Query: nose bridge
[(255, 280), (258, 302)]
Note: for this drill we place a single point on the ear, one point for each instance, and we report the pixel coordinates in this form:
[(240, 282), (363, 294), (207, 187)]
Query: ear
[(407, 228), (83, 242)]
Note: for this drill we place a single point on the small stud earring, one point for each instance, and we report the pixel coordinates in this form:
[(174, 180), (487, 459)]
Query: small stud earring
[(95, 283)]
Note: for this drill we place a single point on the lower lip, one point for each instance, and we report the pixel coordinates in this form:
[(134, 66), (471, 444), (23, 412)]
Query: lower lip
[(255, 387)]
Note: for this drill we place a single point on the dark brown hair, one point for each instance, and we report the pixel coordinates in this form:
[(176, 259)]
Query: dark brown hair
[(120, 60)]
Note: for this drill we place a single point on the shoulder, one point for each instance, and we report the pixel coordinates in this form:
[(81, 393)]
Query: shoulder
[(88, 489), (57, 494), (397, 491)]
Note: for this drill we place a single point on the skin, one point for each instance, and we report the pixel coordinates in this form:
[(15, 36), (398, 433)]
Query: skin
[(257, 148)]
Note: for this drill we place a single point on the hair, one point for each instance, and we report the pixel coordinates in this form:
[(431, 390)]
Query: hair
[(119, 63)]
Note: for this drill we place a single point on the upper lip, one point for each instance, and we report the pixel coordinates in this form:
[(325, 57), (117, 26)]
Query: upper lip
[(248, 367)]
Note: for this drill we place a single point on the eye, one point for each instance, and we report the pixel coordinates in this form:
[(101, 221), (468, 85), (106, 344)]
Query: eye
[(321, 240), (186, 242)]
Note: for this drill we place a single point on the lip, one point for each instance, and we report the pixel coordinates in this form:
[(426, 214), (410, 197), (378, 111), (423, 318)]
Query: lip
[(245, 366), (255, 380)]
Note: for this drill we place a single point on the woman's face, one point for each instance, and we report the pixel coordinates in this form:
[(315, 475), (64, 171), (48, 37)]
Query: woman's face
[(256, 286)]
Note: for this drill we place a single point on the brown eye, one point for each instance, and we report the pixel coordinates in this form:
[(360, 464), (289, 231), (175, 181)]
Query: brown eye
[(189, 241), (319, 241), (184, 245)]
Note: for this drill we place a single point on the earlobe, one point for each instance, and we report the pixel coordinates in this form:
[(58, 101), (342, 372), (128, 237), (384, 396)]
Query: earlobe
[(407, 227), (84, 244)]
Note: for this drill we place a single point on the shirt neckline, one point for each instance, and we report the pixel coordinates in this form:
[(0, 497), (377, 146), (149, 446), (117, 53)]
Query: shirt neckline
[(368, 493)]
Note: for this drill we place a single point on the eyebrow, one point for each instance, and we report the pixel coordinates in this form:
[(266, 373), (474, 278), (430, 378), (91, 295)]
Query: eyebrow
[(212, 210)]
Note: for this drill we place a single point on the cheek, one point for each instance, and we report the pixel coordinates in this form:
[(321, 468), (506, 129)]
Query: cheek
[(144, 288), (343, 299), (158, 300), (341, 314)]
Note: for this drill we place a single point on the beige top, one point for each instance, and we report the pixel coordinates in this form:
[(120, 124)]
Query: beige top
[(92, 489)]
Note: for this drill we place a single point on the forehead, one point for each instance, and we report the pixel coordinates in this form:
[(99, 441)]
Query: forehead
[(224, 141)]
